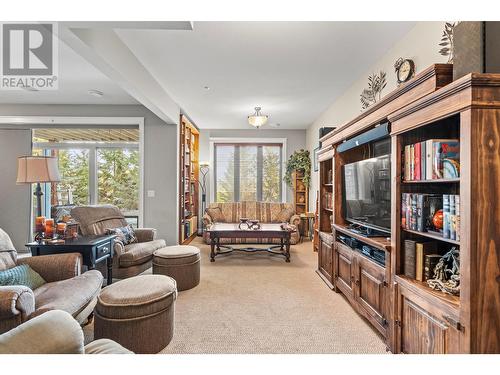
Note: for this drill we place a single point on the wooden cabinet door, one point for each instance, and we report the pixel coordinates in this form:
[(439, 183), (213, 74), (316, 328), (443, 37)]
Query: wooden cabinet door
[(344, 269), (326, 260), (422, 328), (371, 291)]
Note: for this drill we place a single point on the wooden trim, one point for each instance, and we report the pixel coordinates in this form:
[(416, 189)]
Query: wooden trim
[(432, 78)]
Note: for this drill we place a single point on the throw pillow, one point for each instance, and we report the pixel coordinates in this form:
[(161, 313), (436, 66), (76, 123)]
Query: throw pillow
[(285, 215), (21, 275), (125, 235), (216, 214)]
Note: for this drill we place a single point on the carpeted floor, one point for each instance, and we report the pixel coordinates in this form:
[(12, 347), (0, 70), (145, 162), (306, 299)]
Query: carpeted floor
[(257, 303)]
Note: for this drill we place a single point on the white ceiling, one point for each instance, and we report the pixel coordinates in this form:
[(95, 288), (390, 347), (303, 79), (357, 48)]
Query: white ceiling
[(76, 78), (293, 70)]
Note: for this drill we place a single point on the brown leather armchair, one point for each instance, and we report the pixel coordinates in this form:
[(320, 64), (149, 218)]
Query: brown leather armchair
[(128, 260), (66, 289)]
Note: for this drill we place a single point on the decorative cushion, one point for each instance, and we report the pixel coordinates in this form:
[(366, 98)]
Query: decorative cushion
[(125, 234), (21, 275), (285, 215), (216, 214), (136, 297)]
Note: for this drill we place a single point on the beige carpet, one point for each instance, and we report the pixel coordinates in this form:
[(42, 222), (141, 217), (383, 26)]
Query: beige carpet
[(257, 303)]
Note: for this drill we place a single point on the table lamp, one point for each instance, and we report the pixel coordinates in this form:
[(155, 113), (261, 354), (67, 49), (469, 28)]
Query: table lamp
[(37, 169)]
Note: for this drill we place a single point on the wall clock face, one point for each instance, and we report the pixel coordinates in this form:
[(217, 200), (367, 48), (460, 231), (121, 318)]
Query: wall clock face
[(405, 71)]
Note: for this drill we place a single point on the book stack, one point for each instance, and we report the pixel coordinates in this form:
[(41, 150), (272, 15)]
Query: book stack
[(420, 259), (417, 212), (432, 159)]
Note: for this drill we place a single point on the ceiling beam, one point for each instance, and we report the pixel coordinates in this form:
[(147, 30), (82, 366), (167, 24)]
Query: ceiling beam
[(104, 49)]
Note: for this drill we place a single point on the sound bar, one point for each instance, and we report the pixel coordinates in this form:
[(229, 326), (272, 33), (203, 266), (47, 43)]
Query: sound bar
[(380, 131)]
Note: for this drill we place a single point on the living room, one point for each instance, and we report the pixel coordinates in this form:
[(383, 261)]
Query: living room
[(288, 186)]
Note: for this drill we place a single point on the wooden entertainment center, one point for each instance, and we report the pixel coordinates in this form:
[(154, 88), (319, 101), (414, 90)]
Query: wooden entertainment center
[(411, 316)]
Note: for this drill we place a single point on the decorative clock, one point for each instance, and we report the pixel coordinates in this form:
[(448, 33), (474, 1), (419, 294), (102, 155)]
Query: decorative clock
[(405, 69)]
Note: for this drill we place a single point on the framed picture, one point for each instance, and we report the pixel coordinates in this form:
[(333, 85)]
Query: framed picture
[(315, 159)]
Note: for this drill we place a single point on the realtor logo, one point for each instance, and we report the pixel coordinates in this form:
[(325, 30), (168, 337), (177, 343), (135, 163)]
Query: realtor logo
[(29, 56)]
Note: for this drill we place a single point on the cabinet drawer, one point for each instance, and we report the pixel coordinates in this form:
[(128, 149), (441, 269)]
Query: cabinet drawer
[(103, 250)]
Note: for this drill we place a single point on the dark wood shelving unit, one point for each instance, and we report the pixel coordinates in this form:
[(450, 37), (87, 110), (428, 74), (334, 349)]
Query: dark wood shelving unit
[(300, 193), (188, 184), (412, 316)]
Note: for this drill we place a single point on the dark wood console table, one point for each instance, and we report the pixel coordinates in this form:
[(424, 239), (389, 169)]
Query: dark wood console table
[(94, 250), (226, 230)]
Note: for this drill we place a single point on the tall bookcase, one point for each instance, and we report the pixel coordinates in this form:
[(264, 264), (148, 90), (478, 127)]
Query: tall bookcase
[(300, 193), (188, 184), (411, 316)]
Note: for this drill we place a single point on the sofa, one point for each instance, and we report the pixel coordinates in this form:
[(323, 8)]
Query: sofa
[(54, 332), (128, 260), (265, 212), (65, 289)]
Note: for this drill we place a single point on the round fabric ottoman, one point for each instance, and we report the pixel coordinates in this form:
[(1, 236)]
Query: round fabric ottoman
[(182, 263), (138, 313)]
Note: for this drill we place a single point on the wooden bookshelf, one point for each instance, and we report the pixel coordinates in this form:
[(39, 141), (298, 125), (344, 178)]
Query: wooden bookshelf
[(413, 317), (188, 184), (300, 193)]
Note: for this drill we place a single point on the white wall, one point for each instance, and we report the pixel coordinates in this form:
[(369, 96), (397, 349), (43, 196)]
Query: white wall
[(295, 140), (420, 44), (160, 157)]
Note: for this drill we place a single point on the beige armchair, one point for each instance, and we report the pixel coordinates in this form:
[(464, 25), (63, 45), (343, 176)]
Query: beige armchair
[(54, 332), (128, 260), (66, 289)]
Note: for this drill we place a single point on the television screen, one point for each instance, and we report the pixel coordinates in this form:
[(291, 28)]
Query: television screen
[(367, 192)]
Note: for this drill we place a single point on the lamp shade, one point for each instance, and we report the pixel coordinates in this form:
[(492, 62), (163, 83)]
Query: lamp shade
[(32, 169), (257, 119)]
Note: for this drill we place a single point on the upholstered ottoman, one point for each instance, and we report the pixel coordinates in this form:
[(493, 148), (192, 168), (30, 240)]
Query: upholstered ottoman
[(138, 313), (182, 263)]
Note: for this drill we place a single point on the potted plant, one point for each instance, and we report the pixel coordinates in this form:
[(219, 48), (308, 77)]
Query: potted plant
[(298, 161)]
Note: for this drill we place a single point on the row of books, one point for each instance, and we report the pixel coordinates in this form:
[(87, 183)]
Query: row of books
[(421, 212), (432, 159), (420, 259), (190, 226)]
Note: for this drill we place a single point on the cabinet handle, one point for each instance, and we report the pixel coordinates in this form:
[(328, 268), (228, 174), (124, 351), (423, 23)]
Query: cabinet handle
[(454, 323)]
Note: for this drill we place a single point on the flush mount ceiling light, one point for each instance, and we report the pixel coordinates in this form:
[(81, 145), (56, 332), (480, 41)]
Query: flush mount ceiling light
[(96, 93), (257, 119)]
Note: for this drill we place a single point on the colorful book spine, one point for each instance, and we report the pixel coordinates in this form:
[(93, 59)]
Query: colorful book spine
[(408, 211), (407, 163), (403, 211), (428, 159), (416, 161), (413, 216), (422, 160), (457, 217), (453, 228), (446, 216), (412, 162), (409, 258), (420, 212)]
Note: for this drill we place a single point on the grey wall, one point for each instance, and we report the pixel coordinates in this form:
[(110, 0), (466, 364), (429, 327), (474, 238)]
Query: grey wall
[(160, 159), (295, 140), (15, 205)]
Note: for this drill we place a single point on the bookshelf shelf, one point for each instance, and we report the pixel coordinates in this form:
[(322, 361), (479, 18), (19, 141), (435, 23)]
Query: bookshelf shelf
[(437, 181), (433, 236), (452, 301)]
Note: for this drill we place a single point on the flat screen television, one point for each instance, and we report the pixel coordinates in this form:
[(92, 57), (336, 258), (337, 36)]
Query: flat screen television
[(367, 193)]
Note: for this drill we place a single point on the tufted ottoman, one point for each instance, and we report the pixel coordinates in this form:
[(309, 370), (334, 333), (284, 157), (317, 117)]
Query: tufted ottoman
[(182, 263), (137, 312)]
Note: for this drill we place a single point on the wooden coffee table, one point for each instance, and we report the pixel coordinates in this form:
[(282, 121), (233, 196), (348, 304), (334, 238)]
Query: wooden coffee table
[(271, 231)]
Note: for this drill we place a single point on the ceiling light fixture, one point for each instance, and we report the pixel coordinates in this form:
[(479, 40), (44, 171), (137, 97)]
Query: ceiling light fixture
[(206, 88), (96, 93), (257, 119)]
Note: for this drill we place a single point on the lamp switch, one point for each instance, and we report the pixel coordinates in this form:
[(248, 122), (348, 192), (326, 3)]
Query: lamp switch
[(151, 193)]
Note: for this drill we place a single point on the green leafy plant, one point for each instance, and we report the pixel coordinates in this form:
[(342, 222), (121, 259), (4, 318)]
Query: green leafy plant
[(300, 160), (376, 83)]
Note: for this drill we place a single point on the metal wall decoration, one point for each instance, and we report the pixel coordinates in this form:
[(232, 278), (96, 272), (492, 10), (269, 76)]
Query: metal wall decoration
[(447, 273), (446, 42), (372, 94)]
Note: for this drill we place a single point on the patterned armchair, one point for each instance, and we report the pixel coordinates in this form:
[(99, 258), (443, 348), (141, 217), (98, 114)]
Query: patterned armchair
[(66, 289), (263, 211), (128, 260)]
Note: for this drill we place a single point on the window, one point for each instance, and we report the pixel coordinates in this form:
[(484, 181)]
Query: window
[(248, 172)]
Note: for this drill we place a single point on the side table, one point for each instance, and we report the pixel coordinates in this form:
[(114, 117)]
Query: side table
[(94, 250)]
